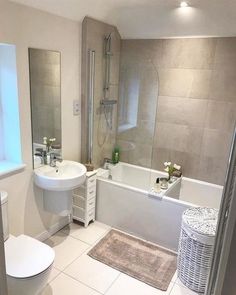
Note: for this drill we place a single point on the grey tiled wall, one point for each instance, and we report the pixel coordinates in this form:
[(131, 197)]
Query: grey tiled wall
[(196, 106)]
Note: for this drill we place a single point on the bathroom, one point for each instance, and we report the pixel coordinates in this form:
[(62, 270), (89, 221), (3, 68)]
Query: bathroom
[(172, 79)]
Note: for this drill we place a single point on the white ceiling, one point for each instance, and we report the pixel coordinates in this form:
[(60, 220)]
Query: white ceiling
[(150, 18)]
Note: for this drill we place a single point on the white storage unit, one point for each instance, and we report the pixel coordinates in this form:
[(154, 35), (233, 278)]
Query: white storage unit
[(196, 247), (84, 200)]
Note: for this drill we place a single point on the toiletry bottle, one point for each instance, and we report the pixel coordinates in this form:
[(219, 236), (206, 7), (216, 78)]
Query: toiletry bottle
[(157, 186), (116, 155)]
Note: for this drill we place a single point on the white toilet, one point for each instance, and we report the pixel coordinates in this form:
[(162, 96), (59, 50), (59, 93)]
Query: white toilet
[(28, 261)]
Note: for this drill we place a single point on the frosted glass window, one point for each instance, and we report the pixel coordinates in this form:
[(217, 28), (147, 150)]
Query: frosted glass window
[(10, 145)]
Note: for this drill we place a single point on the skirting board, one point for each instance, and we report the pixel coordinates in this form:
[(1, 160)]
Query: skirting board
[(54, 228)]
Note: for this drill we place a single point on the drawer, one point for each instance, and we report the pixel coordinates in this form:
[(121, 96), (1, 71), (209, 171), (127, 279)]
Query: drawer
[(91, 181), (91, 204), (79, 201), (91, 192), (91, 214), (78, 212)]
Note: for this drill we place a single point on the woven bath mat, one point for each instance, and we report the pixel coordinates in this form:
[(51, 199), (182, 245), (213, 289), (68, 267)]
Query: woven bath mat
[(139, 259)]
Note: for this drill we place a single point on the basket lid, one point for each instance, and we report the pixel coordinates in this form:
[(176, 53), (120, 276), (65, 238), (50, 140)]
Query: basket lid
[(202, 220)]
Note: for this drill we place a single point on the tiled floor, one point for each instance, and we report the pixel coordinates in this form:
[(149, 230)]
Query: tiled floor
[(75, 273)]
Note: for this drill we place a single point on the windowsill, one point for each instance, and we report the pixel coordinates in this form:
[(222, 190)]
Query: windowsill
[(7, 167), (125, 127)]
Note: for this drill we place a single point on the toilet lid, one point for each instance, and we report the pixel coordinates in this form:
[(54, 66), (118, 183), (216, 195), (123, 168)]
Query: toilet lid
[(27, 257)]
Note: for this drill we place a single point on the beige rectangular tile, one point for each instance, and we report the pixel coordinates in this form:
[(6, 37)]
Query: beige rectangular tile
[(213, 169), (225, 56), (180, 138), (175, 82), (180, 290), (64, 284), (142, 50), (189, 53), (89, 234), (182, 111), (188, 161), (200, 87), (67, 249), (215, 143), (127, 285), (160, 156), (144, 132), (221, 116), (93, 273), (223, 86), (141, 155)]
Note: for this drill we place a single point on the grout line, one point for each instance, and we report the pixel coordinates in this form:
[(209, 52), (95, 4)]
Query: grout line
[(90, 246), (75, 259), (112, 283), (75, 279), (107, 230), (171, 289)]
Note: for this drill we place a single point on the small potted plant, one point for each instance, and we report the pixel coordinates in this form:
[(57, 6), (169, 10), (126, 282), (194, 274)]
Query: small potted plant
[(48, 142), (173, 170)]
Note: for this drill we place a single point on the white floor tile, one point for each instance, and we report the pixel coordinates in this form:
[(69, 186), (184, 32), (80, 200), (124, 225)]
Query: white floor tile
[(67, 249), (180, 290), (174, 278), (92, 273), (65, 285), (54, 273), (89, 235), (127, 285)]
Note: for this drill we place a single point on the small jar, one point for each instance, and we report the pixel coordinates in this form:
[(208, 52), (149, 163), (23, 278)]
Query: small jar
[(164, 183)]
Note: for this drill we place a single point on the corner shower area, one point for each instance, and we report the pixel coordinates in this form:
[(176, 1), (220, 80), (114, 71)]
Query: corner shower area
[(157, 101)]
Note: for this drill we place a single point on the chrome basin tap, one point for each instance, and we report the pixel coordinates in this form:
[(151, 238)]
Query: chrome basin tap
[(54, 157)]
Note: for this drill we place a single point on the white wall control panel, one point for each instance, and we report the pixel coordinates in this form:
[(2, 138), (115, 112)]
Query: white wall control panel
[(76, 107)]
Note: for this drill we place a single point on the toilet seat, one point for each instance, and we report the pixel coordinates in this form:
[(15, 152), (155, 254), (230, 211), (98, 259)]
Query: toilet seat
[(27, 257)]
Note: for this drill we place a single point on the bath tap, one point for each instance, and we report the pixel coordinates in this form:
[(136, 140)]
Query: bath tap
[(106, 163), (54, 157)]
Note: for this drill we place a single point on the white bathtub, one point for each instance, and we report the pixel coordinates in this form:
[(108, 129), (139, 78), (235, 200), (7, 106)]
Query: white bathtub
[(124, 202)]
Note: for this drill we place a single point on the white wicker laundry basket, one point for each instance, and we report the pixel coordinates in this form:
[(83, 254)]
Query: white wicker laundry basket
[(196, 247)]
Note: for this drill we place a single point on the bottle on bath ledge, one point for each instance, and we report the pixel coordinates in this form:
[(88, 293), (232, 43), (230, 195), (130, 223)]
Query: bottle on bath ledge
[(116, 155)]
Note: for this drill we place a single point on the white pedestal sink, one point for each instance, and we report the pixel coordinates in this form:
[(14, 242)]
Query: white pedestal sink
[(58, 183)]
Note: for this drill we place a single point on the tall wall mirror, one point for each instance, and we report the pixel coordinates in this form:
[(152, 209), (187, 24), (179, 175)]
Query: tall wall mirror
[(45, 96)]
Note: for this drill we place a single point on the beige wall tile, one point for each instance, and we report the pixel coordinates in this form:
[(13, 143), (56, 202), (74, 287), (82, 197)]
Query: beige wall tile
[(221, 116), (223, 86), (159, 156), (200, 87), (189, 53), (225, 56), (179, 138), (182, 111), (175, 82), (215, 143), (213, 169)]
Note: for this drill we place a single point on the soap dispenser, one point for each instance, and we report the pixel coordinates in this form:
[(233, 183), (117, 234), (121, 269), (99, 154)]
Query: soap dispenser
[(116, 155)]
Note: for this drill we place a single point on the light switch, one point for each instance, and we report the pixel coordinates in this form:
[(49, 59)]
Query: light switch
[(76, 107)]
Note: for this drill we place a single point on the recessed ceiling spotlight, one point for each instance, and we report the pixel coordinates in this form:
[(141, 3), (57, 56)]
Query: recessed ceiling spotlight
[(183, 4)]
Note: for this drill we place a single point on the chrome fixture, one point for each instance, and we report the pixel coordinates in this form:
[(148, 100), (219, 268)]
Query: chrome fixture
[(91, 103), (106, 163), (108, 54), (54, 157), (42, 154), (107, 103)]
